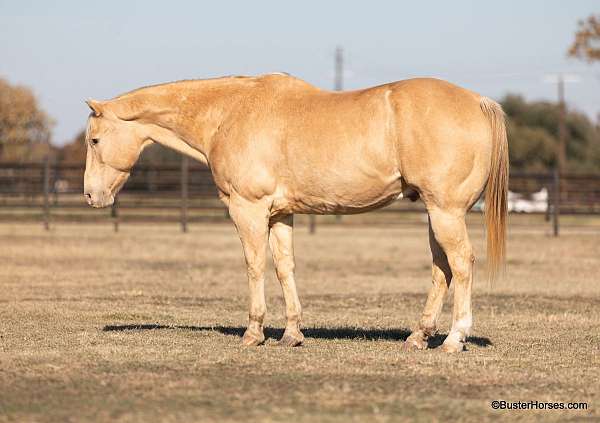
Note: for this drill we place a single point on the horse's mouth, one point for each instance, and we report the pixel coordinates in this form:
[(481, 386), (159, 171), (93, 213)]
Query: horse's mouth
[(101, 202)]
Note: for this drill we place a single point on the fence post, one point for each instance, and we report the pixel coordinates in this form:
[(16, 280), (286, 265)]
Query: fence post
[(184, 192), (312, 223), (114, 214), (46, 193), (556, 202)]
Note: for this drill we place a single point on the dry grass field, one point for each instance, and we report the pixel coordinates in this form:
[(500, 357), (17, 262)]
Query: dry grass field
[(145, 325)]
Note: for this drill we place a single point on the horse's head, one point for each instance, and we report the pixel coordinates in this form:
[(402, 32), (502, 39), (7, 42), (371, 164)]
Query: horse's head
[(113, 147)]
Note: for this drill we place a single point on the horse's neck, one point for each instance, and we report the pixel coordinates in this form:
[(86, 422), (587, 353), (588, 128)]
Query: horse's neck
[(182, 120), (171, 139)]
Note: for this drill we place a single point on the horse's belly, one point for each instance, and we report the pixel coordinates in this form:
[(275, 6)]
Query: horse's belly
[(345, 198)]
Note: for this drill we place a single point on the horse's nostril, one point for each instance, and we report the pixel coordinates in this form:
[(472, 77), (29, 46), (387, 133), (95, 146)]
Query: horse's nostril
[(88, 196)]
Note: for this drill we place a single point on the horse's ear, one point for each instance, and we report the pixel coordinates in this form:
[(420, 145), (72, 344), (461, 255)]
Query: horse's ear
[(96, 107)]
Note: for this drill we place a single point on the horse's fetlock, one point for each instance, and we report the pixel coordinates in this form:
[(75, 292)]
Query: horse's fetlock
[(428, 330)]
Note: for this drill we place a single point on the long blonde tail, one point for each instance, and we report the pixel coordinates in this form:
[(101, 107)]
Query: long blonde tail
[(496, 191)]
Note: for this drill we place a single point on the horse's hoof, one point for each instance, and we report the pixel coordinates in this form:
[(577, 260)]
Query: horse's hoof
[(252, 339), (415, 344), (453, 347), (291, 340)]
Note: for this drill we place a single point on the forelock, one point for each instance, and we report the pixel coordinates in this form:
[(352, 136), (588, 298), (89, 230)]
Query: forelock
[(90, 126)]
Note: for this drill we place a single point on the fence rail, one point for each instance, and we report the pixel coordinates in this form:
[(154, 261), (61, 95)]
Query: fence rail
[(185, 192)]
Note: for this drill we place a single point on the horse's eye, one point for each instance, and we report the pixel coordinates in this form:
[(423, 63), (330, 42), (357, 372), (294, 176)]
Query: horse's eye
[(95, 141)]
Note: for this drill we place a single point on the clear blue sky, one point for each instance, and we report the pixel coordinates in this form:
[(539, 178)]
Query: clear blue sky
[(68, 51)]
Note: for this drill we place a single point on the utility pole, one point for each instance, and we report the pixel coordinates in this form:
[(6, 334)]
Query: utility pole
[(560, 79), (561, 149), (561, 154), (339, 69), (338, 85)]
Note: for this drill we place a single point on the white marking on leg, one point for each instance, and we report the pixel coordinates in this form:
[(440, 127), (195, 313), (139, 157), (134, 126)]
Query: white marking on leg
[(461, 329)]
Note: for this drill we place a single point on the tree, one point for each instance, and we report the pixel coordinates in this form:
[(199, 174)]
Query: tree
[(533, 136), (75, 151), (24, 127), (586, 46), (587, 40)]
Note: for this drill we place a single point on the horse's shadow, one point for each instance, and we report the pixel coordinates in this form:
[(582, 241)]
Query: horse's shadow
[(349, 333)]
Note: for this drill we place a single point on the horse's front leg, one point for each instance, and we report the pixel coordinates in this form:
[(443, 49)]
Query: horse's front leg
[(251, 220), (280, 239)]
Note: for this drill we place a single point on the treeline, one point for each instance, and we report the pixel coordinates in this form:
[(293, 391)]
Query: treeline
[(25, 129), (533, 137), (25, 132)]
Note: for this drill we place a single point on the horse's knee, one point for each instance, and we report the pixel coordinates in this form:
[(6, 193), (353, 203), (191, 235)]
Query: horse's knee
[(255, 273), (255, 266), (284, 267)]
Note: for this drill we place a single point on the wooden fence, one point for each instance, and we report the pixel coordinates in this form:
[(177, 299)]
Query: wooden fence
[(185, 192)]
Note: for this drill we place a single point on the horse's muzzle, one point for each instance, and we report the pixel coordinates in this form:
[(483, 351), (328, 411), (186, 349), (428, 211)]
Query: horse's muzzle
[(99, 200)]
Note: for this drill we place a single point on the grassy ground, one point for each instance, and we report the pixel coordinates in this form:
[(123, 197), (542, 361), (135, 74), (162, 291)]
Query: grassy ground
[(145, 325)]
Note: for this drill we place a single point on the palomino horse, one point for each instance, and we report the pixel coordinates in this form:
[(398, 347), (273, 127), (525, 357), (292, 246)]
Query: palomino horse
[(277, 145)]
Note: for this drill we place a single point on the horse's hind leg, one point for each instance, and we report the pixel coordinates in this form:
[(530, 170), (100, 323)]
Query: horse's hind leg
[(450, 232), (441, 276), (280, 239)]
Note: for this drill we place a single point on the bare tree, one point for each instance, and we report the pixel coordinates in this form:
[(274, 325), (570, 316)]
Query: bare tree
[(586, 45), (24, 127)]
